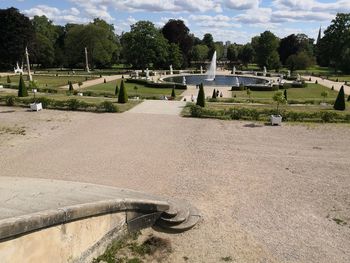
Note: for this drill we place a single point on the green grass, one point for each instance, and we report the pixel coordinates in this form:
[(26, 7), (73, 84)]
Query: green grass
[(141, 91), (311, 92), (46, 81)]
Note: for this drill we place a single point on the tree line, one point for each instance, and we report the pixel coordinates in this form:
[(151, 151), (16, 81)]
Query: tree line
[(145, 45)]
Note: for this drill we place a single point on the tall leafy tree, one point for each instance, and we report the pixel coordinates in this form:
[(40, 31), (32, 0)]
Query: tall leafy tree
[(208, 40), (232, 52), (200, 52), (293, 44), (246, 54), (266, 50), (16, 32), (145, 46), (175, 57), (175, 31)]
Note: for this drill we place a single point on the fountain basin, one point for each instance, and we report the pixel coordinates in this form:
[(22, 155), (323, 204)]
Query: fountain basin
[(220, 80)]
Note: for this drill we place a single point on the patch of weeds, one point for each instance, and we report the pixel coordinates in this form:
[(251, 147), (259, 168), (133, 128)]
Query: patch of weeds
[(339, 221), (226, 259), (132, 250), (185, 258), (12, 130)]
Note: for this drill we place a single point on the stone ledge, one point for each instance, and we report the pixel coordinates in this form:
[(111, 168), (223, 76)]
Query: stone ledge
[(12, 227)]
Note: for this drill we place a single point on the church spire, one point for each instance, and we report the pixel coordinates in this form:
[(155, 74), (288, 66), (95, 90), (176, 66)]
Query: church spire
[(319, 36)]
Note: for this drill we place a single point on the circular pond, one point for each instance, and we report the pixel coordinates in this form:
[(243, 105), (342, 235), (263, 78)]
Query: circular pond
[(220, 80)]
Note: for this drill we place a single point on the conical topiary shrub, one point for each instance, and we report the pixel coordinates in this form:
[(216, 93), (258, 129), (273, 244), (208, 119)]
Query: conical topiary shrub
[(123, 96), (349, 98), (22, 89), (214, 94), (201, 96), (285, 94), (116, 90), (71, 89), (339, 103), (173, 95), (8, 79)]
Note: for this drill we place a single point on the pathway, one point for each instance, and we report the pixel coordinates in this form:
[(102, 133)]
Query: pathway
[(93, 82), (329, 83), (159, 107)]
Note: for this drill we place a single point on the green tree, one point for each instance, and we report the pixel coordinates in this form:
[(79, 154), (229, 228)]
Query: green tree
[(144, 46), (22, 89), (340, 100), (336, 40), (176, 32), (175, 57), (208, 40), (43, 51), (16, 32), (232, 53), (201, 96), (294, 44), (101, 45), (266, 50), (123, 96), (200, 52), (116, 91), (299, 61), (246, 54), (279, 99)]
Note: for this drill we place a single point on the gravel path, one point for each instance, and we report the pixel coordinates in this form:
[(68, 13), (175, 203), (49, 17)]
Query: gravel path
[(159, 107), (267, 194), (329, 83)]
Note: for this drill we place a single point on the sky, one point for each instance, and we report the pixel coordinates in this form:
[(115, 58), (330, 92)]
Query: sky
[(227, 20)]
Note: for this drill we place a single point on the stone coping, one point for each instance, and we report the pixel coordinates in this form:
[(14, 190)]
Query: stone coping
[(12, 227)]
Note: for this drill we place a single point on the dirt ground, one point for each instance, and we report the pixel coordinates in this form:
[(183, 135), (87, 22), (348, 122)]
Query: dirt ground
[(267, 194)]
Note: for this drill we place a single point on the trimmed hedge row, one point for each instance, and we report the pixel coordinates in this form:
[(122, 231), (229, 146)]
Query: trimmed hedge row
[(151, 84), (70, 104), (264, 115)]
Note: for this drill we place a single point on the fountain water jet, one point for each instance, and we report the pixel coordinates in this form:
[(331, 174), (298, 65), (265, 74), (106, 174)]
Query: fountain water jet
[(212, 69)]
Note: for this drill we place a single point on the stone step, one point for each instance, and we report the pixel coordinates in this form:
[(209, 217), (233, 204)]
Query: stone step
[(171, 212), (183, 212), (190, 221)]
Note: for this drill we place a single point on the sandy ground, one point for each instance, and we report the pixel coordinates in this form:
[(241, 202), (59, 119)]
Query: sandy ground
[(267, 194)]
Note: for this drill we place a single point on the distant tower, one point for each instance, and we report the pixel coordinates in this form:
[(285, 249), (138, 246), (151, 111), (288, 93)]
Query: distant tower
[(319, 36), (86, 61), (28, 65)]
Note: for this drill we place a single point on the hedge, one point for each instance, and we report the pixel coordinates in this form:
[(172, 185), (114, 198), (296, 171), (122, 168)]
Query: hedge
[(151, 84), (262, 87), (264, 114)]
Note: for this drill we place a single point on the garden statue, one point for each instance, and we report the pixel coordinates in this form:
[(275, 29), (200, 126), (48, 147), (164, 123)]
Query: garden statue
[(147, 73), (86, 61), (201, 70), (18, 70), (234, 70), (171, 69)]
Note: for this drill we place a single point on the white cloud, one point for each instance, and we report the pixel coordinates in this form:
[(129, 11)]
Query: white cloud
[(313, 5), (218, 21), (242, 4), (56, 15)]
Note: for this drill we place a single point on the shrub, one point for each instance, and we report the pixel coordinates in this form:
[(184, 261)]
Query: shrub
[(214, 94), (196, 111), (123, 96), (262, 87), (348, 98), (238, 88), (201, 96), (108, 106), (340, 101), (104, 81), (10, 100), (8, 79), (164, 85), (22, 89), (285, 94), (71, 86), (73, 104), (116, 90), (44, 101), (173, 95), (316, 82), (328, 116)]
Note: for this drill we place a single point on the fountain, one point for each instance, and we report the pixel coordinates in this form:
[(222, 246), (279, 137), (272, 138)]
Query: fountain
[(201, 70), (171, 69), (234, 70), (236, 82), (147, 73), (212, 69), (265, 71), (183, 80)]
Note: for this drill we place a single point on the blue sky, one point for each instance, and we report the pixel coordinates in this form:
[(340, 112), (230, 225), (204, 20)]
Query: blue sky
[(233, 20)]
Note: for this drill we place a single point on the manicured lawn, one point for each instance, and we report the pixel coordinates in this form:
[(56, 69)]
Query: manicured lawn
[(311, 92), (342, 78), (47, 81), (141, 91)]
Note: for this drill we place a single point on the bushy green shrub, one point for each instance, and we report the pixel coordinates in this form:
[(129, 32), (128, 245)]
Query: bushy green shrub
[(71, 89), (173, 95), (116, 91), (238, 88), (196, 111), (10, 100), (151, 84), (73, 104), (262, 87), (107, 106), (328, 116)]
